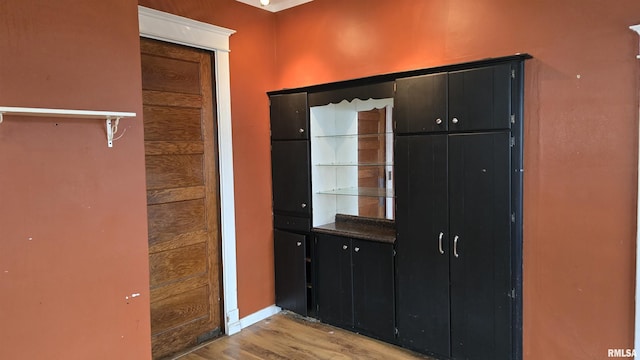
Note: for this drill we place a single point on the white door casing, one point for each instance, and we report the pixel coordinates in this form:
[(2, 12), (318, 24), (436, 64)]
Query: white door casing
[(636, 28), (175, 29)]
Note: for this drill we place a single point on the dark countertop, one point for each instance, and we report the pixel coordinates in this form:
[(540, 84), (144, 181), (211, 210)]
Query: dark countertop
[(379, 230)]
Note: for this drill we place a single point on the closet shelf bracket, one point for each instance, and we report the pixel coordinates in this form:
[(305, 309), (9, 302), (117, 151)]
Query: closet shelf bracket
[(112, 118)]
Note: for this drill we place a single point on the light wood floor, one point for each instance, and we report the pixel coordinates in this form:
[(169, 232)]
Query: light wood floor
[(286, 336)]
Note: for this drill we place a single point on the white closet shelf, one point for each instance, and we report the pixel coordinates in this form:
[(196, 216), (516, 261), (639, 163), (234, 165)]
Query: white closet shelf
[(112, 118)]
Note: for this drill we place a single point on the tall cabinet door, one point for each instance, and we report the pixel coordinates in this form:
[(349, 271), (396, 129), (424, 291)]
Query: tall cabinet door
[(480, 221), (290, 266), (422, 259)]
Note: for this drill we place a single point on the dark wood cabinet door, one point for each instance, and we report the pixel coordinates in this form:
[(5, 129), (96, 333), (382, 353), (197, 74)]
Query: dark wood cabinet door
[(290, 269), (334, 280), (422, 259), (480, 99), (290, 174), (420, 104), (373, 299), (480, 220), (289, 117)]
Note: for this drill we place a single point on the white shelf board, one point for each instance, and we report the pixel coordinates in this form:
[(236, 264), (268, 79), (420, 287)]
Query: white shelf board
[(108, 116), (87, 114)]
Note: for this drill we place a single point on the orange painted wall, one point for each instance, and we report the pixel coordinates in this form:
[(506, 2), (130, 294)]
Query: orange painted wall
[(252, 64), (581, 113), (72, 211)]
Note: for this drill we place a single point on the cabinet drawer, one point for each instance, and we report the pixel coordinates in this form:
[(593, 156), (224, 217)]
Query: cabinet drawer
[(292, 223)]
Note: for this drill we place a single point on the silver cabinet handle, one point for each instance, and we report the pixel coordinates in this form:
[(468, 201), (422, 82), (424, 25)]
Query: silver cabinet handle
[(440, 243), (299, 243), (438, 121), (455, 120), (303, 205), (357, 249), (301, 131), (344, 247), (455, 245)]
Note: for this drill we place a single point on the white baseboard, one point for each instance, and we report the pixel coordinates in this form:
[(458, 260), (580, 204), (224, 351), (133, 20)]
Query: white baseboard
[(259, 316)]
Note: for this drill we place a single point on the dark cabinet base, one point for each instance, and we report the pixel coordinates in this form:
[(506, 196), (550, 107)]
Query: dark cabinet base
[(355, 285)]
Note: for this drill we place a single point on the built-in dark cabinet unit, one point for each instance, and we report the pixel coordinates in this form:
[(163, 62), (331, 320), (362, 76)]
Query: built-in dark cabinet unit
[(453, 290), (355, 285), (453, 101), (290, 164), (456, 289)]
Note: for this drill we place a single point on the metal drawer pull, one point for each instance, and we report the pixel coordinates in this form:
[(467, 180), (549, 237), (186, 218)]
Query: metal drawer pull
[(301, 131), (438, 121), (357, 249), (454, 120), (299, 243), (455, 245), (344, 247), (440, 243), (303, 205)]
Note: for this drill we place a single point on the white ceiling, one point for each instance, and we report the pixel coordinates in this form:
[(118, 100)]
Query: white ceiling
[(275, 5)]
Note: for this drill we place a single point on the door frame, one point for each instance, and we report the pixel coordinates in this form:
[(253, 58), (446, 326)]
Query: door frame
[(175, 29), (636, 28)]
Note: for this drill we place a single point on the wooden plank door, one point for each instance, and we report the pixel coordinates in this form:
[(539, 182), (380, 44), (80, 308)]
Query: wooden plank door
[(182, 196), (371, 154)]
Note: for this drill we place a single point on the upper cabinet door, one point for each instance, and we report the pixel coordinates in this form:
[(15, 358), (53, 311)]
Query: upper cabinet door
[(290, 174), (420, 104), (480, 99), (289, 117)]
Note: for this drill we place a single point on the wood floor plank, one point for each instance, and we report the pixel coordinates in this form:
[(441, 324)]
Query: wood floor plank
[(287, 336)]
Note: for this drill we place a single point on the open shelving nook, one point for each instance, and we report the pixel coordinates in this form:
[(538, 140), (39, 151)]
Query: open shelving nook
[(111, 118), (352, 159)]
